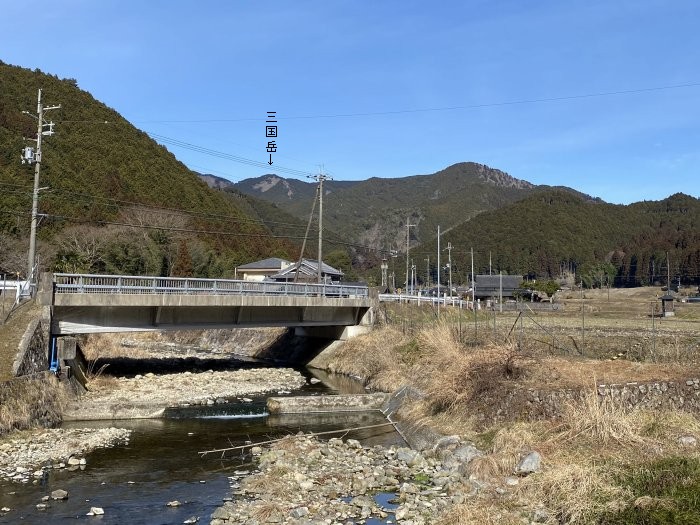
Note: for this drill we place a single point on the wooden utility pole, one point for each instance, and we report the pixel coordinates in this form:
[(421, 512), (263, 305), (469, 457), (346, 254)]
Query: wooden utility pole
[(408, 247), (438, 271), (474, 295), (500, 290), (40, 109), (427, 272), (321, 178), (449, 263), (583, 322)]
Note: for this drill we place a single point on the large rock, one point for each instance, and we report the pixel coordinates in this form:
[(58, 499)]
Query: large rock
[(529, 464), (409, 456), (687, 441), (59, 494)]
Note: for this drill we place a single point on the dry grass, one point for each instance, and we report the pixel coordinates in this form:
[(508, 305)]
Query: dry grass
[(11, 334), (273, 483), (377, 357), (601, 421), (268, 512), (479, 512), (30, 402), (584, 450), (575, 492), (108, 346)]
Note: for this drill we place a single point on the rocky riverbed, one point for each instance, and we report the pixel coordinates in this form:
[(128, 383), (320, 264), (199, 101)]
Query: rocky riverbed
[(149, 395), (26, 456), (301, 480)]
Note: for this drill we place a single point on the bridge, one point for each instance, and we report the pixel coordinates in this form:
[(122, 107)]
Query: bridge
[(83, 304)]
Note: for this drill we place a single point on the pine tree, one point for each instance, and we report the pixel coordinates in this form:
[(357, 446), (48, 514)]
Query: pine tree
[(183, 266)]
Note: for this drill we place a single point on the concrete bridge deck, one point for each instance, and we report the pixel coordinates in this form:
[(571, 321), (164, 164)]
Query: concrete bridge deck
[(110, 303)]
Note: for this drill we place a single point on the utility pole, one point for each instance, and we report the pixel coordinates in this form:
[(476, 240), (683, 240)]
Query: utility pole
[(427, 272), (583, 322), (489, 262), (438, 279), (385, 267), (449, 263), (500, 290), (473, 281), (438, 268), (408, 247), (474, 295), (320, 178), (29, 156)]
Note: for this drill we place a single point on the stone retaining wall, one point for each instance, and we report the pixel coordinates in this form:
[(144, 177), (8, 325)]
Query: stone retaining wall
[(32, 354), (533, 404)]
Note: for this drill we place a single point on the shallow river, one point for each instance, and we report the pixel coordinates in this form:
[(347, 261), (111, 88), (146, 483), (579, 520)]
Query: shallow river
[(161, 463)]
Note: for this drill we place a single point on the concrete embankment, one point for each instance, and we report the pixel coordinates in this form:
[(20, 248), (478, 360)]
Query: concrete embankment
[(314, 404)]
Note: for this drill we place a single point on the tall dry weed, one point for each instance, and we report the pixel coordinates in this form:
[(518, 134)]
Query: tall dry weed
[(478, 512), (602, 420), (453, 374), (575, 492), (376, 357), (27, 403)]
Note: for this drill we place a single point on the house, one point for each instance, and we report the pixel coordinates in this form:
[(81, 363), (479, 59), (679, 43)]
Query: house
[(489, 286), (260, 270), (308, 272)]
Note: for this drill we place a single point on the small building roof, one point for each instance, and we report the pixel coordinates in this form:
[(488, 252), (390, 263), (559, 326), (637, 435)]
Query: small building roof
[(273, 263), (494, 281), (308, 267), (667, 297)]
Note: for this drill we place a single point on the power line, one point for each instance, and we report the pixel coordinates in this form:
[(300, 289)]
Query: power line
[(81, 220), (226, 156), (449, 108), (116, 202)]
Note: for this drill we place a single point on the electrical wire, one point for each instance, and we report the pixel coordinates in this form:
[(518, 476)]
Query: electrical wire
[(81, 220), (226, 156), (117, 202), (448, 108)]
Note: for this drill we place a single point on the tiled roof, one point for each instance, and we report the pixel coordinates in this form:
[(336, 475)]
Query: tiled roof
[(273, 263)]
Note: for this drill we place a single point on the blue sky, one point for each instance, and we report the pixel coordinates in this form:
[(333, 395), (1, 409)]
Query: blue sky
[(206, 73)]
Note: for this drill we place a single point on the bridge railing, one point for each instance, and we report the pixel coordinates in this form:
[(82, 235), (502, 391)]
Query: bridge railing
[(68, 283)]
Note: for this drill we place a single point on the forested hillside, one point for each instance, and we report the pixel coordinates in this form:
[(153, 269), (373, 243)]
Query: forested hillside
[(374, 212), (116, 201), (555, 229)]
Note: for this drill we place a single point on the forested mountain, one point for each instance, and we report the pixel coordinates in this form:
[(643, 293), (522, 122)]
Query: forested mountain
[(116, 201), (292, 194), (551, 229), (374, 212)]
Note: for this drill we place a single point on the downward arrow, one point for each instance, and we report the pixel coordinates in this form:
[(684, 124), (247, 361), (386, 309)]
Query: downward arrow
[(270, 161)]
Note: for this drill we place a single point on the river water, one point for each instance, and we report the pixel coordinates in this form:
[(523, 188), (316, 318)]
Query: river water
[(133, 483)]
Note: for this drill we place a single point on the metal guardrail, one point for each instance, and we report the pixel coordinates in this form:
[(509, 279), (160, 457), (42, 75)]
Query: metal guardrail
[(68, 283), (509, 306), (424, 299)]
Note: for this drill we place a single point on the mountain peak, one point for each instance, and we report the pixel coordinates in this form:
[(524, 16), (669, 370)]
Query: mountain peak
[(487, 174)]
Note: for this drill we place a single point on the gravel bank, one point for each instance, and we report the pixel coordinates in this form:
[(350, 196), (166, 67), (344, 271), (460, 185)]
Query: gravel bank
[(26, 455), (149, 395), (302, 480)]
